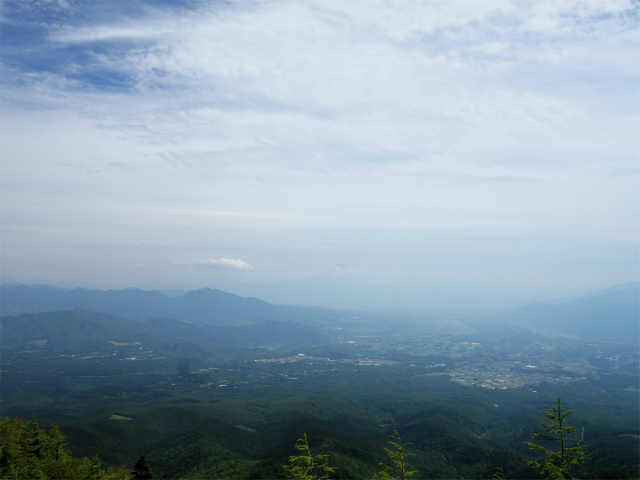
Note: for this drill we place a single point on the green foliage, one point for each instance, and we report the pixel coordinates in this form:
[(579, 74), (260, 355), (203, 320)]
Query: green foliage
[(308, 466), (398, 457), (28, 452), (141, 470), (116, 472), (499, 474), (563, 456)]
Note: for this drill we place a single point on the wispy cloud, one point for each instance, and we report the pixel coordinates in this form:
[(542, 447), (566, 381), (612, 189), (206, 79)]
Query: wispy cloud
[(166, 123), (234, 263)]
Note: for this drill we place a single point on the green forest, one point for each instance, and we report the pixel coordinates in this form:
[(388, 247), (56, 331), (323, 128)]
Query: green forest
[(29, 452), (306, 393)]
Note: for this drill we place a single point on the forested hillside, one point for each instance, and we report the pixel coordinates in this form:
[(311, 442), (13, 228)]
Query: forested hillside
[(29, 452), (207, 401)]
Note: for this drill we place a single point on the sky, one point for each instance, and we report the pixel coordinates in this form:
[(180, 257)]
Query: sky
[(299, 151)]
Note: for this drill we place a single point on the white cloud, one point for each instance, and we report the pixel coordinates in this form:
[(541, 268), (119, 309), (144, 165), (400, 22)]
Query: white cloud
[(234, 263), (371, 76), (292, 119)]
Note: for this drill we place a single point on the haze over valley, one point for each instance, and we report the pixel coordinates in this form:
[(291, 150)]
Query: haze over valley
[(234, 231)]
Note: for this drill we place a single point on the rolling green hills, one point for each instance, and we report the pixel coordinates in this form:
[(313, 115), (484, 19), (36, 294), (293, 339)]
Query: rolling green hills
[(201, 400)]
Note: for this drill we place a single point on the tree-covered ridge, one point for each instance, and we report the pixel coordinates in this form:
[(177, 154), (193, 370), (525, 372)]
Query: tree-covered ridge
[(29, 452), (556, 465)]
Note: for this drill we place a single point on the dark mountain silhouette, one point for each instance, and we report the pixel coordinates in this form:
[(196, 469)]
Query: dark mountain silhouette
[(131, 303), (81, 331), (78, 331), (200, 306), (612, 314), (222, 308), (76, 326)]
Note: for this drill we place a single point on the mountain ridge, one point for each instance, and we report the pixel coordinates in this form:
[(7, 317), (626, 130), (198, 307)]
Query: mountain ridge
[(611, 314), (201, 306)]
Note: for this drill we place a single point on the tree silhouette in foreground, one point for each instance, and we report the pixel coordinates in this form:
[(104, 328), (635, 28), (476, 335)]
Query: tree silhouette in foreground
[(308, 466), (141, 470), (567, 451), (398, 456)]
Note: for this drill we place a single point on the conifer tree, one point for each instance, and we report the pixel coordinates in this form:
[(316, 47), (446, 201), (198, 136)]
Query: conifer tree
[(567, 451), (28, 452), (398, 457), (308, 466), (141, 470)]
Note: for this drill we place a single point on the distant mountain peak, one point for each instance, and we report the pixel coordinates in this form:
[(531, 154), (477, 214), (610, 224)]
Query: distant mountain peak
[(204, 306)]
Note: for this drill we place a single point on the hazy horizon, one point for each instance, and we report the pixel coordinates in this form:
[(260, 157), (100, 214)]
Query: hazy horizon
[(444, 298), (319, 150)]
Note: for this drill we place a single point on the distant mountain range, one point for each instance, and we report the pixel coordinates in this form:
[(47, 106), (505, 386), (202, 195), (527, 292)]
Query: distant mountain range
[(204, 306), (612, 314)]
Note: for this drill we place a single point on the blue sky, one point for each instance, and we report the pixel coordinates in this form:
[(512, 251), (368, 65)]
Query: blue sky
[(250, 144)]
